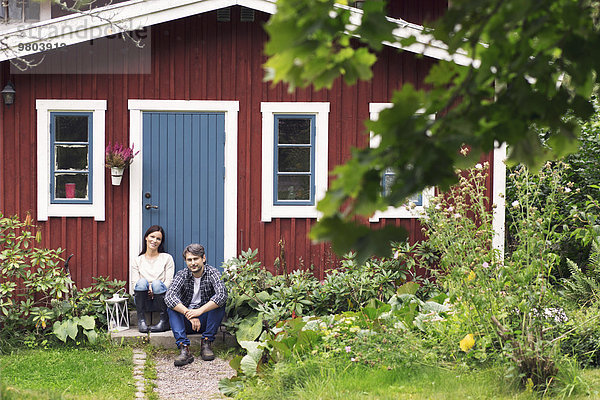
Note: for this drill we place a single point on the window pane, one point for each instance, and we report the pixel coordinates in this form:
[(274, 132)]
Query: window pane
[(71, 157), (294, 131), (293, 187), (388, 181), (294, 159), (417, 199), (32, 10), (71, 186), (71, 128)]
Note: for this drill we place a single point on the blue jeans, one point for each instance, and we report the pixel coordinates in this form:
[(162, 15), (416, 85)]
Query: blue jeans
[(209, 324), (158, 287)]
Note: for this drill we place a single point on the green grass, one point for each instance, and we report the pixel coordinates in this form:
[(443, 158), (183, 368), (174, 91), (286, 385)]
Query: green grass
[(150, 374), (67, 373), (318, 379)]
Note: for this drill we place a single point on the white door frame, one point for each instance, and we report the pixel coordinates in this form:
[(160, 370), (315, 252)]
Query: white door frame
[(230, 108)]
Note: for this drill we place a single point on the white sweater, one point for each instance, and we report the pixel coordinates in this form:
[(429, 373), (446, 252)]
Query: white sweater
[(161, 268)]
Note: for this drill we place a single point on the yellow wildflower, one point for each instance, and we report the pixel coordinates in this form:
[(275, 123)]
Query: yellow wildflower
[(529, 386), (467, 343), (471, 276)]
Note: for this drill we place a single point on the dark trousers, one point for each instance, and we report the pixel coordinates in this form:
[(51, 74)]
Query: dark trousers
[(209, 324)]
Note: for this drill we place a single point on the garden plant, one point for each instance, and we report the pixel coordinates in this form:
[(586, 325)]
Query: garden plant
[(505, 315), (39, 302)]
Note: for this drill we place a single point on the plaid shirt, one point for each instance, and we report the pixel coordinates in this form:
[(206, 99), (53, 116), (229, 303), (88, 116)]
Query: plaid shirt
[(182, 288)]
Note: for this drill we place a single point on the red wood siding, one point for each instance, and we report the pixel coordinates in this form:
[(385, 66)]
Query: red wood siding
[(417, 11), (192, 58)]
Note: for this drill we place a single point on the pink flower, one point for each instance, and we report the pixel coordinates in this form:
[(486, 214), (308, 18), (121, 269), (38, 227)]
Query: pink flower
[(119, 156), (485, 264), (347, 348)]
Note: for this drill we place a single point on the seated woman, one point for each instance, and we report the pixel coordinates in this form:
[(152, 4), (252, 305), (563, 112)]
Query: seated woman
[(151, 274)]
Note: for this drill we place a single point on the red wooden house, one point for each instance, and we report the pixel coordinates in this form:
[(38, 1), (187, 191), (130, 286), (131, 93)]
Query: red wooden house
[(225, 159)]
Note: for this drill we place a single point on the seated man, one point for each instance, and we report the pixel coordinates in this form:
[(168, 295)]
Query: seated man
[(196, 301)]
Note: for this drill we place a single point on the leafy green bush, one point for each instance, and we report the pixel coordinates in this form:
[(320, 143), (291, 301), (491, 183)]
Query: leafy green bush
[(374, 335), (31, 279), (258, 298), (583, 286), (583, 339), (38, 299), (504, 309)]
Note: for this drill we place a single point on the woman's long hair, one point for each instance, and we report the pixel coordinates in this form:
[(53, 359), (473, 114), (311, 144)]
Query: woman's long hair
[(161, 246)]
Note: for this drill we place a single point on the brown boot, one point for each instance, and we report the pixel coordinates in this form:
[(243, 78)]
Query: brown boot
[(206, 352), (185, 357)]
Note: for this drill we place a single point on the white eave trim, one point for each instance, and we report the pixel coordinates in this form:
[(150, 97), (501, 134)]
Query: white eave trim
[(425, 43), (112, 19), (137, 14)]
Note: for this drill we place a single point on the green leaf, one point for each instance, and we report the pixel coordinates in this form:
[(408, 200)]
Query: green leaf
[(249, 329), (250, 361), (87, 322), (435, 307), (346, 236), (235, 362), (306, 340), (408, 288), (60, 330), (91, 335), (230, 387), (281, 350), (264, 296), (72, 328)]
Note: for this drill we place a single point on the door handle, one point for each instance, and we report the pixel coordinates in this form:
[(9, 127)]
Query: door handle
[(149, 206)]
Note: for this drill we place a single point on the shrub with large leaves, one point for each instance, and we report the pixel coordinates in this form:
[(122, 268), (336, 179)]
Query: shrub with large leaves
[(37, 295), (258, 299)]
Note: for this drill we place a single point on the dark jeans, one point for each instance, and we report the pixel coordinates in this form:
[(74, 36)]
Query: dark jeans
[(181, 326)]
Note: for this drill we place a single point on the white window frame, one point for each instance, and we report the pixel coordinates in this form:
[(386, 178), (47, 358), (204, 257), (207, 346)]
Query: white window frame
[(45, 208), (403, 211), (321, 112)]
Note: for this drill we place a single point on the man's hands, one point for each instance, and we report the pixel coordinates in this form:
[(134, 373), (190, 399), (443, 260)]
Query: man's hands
[(196, 324), (192, 316)]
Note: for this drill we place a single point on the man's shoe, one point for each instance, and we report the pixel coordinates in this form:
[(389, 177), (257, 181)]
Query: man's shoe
[(206, 352), (185, 357)]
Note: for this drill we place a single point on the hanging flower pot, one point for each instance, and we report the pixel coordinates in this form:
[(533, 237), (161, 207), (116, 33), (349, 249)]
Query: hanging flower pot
[(118, 157), (116, 174)]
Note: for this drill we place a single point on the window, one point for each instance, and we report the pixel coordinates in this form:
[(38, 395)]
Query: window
[(420, 200), (70, 158), (388, 180), (20, 10), (294, 159)]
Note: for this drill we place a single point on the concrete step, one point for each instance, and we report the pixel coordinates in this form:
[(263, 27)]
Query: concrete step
[(162, 339), (165, 339)]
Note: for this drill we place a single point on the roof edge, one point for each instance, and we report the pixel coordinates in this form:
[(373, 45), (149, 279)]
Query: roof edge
[(137, 14)]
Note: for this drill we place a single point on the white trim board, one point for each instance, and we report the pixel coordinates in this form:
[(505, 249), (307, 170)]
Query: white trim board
[(44, 208), (230, 108), (498, 198), (137, 14)]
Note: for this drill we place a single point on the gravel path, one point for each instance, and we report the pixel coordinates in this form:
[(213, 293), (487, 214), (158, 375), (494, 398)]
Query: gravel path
[(198, 380)]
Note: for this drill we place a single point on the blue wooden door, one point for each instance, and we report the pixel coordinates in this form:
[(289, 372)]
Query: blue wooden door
[(183, 176)]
